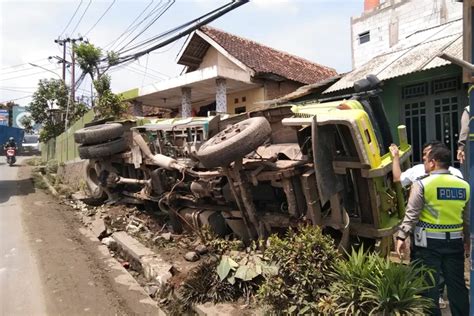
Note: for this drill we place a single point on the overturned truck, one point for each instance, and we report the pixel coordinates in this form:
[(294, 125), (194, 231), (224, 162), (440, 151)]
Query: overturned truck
[(323, 163)]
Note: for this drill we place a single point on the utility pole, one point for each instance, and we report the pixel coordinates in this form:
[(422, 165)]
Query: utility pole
[(73, 78), (63, 43)]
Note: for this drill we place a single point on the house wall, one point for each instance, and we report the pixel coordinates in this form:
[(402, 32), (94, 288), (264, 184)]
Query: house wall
[(213, 58), (251, 97), (394, 20), (394, 104)]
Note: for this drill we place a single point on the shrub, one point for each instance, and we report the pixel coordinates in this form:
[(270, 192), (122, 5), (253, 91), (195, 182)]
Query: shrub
[(305, 259), (368, 284)]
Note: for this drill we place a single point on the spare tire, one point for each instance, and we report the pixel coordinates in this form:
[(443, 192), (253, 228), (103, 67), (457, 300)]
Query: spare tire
[(98, 133), (103, 150), (234, 142)]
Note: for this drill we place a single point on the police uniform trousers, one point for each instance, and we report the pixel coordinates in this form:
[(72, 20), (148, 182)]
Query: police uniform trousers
[(445, 256)]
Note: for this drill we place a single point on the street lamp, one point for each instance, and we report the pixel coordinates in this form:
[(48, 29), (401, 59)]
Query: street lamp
[(38, 66)]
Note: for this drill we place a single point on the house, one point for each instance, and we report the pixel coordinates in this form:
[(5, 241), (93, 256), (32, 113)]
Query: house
[(421, 90), (227, 74)]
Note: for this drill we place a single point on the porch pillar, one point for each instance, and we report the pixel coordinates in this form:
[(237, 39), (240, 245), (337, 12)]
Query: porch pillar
[(137, 108), (186, 102), (221, 95)]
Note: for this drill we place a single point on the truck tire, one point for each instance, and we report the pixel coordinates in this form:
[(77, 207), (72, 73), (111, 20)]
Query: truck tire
[(98, 133), (234, 142), (96, 195), (103, 150)]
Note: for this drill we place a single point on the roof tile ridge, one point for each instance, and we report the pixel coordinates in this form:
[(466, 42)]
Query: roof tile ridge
[(271, 48)]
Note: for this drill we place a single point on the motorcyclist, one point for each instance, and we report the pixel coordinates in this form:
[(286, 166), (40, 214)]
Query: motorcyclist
[(10, 143)]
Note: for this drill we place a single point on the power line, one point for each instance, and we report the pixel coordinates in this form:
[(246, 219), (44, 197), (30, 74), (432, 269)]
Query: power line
[(153, 70), (178, 28), (9, 100), (103, 14), (22, 70), (134, 27), (82, 16), (15, 90), (170, 3), (18, 65), (127, 29), (226, 8), (70, 20), (27, 75)]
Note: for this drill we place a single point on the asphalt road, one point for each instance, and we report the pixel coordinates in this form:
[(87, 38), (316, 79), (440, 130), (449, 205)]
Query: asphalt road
[(50, 264), (21, 292)]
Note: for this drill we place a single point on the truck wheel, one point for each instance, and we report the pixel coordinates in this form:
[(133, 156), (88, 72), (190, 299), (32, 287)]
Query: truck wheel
[(234, 142), (102, 150), (96, 195), (98, 133)]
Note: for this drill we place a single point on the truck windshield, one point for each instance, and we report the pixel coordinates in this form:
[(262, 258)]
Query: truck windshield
[(30, 139)]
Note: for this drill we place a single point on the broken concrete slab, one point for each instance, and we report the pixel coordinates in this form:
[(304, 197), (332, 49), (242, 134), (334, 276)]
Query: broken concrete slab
[(131, 246), (98, 228)]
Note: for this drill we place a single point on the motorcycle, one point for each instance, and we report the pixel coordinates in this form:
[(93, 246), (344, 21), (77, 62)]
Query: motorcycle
[(11, 155)]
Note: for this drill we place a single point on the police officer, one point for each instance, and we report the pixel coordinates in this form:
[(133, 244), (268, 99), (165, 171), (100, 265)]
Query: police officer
[(436, 214)]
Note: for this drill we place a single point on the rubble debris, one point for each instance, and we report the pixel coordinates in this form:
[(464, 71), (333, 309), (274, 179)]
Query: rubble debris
[(151, 290), (126, 264), (191, 256), (109, 242), (201, 249)]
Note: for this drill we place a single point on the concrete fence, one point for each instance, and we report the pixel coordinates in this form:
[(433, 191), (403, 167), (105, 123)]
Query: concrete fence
[(63, 148)]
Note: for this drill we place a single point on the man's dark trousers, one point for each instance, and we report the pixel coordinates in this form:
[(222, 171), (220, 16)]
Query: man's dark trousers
[(446, 255)]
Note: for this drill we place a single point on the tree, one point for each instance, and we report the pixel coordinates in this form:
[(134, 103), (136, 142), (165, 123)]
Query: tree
[(89, 59), (27, 123), (49, 106)]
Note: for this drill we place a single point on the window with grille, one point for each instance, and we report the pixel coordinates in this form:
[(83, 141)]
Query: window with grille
[(415, 121), (444, 85), (415, 90)]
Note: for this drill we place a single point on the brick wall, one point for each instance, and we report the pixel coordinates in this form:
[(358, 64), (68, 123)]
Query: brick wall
[(396, 19)]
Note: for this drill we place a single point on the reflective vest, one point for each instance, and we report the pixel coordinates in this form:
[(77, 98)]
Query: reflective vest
[(445, 198)]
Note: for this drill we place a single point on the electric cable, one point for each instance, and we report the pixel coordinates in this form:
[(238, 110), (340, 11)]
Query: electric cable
[(18, 65), (72, 17), (127, 29), (153, 11), (103, 14), (170, 3), (204, 20), (82, 16)]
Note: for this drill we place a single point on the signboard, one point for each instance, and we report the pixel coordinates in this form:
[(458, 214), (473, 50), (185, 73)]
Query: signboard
[(18, 113), (4, 117)]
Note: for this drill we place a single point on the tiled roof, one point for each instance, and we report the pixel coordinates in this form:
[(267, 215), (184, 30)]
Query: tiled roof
[(265, 60), (417, 52)]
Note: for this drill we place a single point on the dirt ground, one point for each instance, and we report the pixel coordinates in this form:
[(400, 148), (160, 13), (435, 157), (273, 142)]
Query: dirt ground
[(74, 273)]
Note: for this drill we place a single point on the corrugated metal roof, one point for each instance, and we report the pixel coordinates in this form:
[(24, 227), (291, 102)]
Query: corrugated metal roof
[(417, 52)]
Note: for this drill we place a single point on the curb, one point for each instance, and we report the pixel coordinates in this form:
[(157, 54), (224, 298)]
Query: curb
[(50, 187)]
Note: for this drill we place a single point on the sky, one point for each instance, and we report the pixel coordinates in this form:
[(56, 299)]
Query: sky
[(317, 30)]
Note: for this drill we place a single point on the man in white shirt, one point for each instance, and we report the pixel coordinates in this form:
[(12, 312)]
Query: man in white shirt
[(407, 177)]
